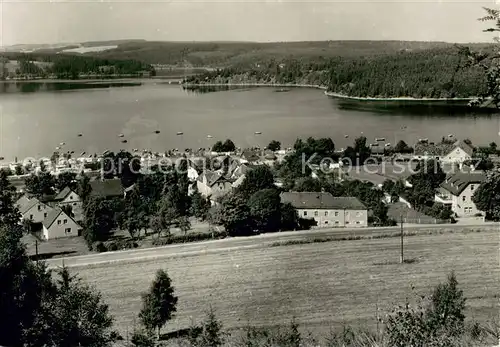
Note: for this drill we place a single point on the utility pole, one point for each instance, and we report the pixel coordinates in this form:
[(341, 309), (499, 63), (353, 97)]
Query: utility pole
[(36, 250), (401, 258)]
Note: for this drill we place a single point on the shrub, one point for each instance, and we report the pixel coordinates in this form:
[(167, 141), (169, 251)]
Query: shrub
[(98, 246), (192, 237), (142, 339)]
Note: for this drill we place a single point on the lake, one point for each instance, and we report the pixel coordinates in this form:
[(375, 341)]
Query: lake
[(34, 120)]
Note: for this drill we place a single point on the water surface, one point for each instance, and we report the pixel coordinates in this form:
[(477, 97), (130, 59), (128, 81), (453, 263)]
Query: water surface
[(33, 124)]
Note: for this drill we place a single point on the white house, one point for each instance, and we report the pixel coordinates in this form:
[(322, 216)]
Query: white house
[(68, 197), (328, 211), (33, 209), (58, 225), (213, 185), (449, 153), (457, 191)]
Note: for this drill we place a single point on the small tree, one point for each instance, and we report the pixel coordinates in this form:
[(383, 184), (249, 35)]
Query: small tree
[(274, 145), (160, 304), (184, 224), (211, 334)]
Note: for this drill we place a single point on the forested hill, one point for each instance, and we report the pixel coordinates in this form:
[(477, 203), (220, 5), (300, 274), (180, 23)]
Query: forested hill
[(431, 73)]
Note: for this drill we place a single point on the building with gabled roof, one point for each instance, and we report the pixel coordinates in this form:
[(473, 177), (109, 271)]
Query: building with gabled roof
[(328, 211), (446, 152), (213, 185), (457, 192), (33, 209), (59, 225)]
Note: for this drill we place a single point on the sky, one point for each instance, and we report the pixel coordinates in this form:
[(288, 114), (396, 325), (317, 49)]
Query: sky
[(56, 21)]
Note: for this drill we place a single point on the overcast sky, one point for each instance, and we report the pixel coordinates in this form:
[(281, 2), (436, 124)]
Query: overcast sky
[(28, 21)]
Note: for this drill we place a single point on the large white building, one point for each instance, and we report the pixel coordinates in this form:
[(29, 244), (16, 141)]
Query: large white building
[(328, 211), (457, 192)]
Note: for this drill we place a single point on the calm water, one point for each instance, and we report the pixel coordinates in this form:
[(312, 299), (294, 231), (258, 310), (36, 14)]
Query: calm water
[(33, 124)]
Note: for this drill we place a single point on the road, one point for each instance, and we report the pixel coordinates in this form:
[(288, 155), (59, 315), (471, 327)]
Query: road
[(232, 244)]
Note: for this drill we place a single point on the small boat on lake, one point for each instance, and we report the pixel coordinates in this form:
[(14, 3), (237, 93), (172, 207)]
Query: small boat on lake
[(380, 139), (124, 141), (83, 153), (180, 133), (450, 135), (105, 152), (2, 158), (80, 135), (388, 144), (282, 90), (346, 136), (157, 131), (121, 135), (58, 148), (62, 144), (209, 136), (258, 133)]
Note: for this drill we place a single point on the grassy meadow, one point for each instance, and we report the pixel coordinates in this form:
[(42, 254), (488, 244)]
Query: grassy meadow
[(324, 285)]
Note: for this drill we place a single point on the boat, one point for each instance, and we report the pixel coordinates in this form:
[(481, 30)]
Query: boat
[(2, 158), (282, 90), (374, 145), (80, 135), (450, 135), (380, 139), (124, 141), (121, 135), (180, 133), (157, 131), (105, 152), (72, 152), (83, 153), (346, 136), (62, 144), (258, 133), (209, 136), (388, 144), (58, 148)]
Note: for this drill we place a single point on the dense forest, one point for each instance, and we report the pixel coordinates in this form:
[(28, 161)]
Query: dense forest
[(433, 73), (73, 66)]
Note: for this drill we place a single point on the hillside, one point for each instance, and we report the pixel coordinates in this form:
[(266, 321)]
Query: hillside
[(223, 54)]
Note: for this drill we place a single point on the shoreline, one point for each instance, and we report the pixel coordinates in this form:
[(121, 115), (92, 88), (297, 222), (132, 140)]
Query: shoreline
[(325, 89)]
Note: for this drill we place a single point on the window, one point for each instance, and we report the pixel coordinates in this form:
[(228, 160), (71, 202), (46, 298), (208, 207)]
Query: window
[(326, 222), (74, 204), (67, 230), (358, 222), (59, 222), (347, 222), (336, 222), (31, 216), (326, 213), (472, 187), (336, 214), (71, 197), (39, 207), (358, 214), (45, 215), (305, 213), (463, 198), (315, 213), (65, 221)]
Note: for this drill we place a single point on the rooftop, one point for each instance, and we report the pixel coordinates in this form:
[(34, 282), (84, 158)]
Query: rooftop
[(323, 200), (456, 184), (441, 149)]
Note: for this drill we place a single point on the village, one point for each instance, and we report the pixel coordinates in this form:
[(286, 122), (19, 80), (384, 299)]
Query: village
[(215, 174)]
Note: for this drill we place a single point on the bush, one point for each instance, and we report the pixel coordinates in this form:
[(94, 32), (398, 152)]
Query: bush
[(192, 237), (98, 246), (117, 245), (142, 339)]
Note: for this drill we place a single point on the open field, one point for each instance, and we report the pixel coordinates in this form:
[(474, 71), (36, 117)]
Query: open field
[(323, 284)]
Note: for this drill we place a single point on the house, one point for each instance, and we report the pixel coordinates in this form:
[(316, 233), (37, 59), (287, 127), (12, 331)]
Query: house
[(327, 210), (457, 191), (446, 152), (212, 184), (250, 156), (58, 225), (107, 188), (67, 197), (33, 209)]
